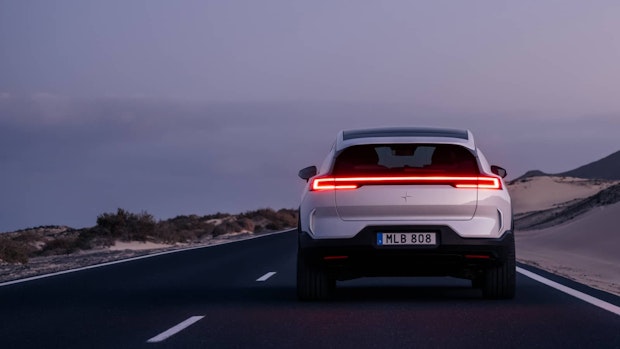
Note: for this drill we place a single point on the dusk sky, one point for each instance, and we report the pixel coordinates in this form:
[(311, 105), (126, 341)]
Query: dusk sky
[(193, 107)]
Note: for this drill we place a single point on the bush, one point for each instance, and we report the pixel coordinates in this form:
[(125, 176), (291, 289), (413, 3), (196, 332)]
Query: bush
[(246, 224), (60, 246), (227, 227), (12, 251), (282, 219), (288, 217), (126, 226)]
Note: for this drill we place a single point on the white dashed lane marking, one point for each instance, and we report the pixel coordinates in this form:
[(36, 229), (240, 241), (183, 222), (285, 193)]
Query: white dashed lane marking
[(266, 276), (174, 330)]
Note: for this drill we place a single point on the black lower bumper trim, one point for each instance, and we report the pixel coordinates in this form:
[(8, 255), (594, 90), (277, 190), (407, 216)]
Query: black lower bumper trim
[(361, 256)]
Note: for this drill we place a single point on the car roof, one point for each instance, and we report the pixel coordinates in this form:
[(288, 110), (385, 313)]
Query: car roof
[(347, 138)]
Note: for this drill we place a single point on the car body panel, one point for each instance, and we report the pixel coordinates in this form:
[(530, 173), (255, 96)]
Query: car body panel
[(406, 202)]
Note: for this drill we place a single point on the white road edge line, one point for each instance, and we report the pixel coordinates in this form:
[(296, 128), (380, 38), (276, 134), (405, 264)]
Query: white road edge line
[(584, 297), (32, 278), (174, 330), (266, 276)]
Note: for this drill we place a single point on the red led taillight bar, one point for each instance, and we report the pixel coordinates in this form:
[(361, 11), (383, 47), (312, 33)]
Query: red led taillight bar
[(343, 183)]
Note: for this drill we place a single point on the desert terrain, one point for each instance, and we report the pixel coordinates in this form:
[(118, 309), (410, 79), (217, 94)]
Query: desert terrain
[(569, 226)]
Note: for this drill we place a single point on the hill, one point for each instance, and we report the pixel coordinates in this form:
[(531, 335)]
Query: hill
[(605, 168), (530, 174)]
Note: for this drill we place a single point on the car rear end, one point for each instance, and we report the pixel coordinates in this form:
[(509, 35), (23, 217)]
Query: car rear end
[(405, 202)]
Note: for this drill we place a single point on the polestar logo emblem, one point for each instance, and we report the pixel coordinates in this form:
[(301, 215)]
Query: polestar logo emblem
[(406, 196)]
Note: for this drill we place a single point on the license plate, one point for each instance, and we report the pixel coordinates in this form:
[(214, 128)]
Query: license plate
[(406, 239)]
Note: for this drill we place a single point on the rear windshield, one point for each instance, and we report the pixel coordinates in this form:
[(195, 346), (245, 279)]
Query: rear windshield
[(406, 159)]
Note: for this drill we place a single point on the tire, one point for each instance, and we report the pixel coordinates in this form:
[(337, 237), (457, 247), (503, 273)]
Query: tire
[(477, 282), (500, 282), (312, 282)]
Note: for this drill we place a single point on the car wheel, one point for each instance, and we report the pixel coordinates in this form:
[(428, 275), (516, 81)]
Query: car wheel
[(477, 282), (312, 282), (500, 281)]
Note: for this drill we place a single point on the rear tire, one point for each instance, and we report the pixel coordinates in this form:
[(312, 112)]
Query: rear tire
[(500, 282), (313, 283), (477, 282)]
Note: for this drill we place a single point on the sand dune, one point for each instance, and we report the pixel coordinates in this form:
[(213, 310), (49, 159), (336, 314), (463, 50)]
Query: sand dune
[(545, 192), (584, 249)]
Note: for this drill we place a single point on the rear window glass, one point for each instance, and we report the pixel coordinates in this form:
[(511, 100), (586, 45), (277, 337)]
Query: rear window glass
[(406, 159)]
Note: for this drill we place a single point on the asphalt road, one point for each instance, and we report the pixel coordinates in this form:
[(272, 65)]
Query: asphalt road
[(211, 298)]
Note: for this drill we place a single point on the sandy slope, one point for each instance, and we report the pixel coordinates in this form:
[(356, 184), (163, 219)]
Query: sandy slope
[(137, 246), (541, 193), (585, 249)]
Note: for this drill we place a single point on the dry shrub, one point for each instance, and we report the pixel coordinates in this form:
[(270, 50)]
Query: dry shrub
[(12, 251), (63, 245)]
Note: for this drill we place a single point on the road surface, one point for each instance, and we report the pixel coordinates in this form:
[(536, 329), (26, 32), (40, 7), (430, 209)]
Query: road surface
[(242, 295)]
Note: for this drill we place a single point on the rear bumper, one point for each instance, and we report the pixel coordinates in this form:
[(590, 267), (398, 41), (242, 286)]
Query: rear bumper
[(360, 255)]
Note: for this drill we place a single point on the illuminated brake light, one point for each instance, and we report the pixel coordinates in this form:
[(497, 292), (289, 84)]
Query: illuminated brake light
[(330, 184), (344, 183), (482, 183), (332, 258), (477, 256)]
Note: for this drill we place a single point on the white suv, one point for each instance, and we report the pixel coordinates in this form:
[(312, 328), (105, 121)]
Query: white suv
[(405, 202)]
